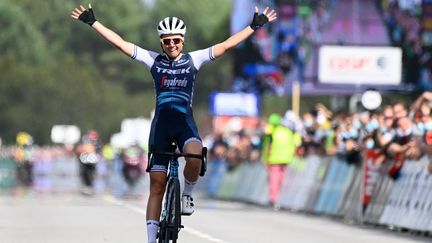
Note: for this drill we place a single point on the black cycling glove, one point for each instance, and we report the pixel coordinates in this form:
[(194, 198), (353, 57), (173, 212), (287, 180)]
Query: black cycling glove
[(87, 17), (258, 21)]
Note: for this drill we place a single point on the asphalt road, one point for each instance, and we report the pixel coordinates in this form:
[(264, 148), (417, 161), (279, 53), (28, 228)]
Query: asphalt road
[(70, 217)]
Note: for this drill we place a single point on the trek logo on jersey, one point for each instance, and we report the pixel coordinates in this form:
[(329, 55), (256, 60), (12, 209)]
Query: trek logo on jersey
[(173, 82), (173, 71)]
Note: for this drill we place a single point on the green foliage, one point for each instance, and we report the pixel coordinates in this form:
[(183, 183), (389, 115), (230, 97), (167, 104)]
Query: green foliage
[(20, 39), (41, 97)]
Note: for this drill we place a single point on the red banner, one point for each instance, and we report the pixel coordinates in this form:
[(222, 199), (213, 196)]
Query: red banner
[(371, 168)]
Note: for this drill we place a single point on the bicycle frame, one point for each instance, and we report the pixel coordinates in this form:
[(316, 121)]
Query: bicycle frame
[(170, 222)]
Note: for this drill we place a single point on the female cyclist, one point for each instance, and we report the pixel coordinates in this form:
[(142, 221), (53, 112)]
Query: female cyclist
[(174, 76)]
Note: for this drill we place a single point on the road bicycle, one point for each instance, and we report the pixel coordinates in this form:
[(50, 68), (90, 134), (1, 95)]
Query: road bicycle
[(170, 221)]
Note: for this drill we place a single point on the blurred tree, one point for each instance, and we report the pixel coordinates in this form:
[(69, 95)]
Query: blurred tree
[(48, 17), (20, 38), (38, 98)]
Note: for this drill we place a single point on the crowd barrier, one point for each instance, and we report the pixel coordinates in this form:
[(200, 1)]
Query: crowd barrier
[(61, 175), (7, 173), (360, 193), (48, 175)]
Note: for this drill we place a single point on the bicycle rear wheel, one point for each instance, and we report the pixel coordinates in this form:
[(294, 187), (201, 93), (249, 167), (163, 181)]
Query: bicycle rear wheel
[(170, 224)]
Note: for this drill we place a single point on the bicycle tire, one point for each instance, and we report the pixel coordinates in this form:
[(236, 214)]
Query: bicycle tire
[(170, 224)]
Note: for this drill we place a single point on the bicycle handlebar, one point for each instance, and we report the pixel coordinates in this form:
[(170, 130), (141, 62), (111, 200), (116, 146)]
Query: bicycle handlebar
[(175, 155)]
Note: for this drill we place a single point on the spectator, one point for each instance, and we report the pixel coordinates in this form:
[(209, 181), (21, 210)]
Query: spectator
[(217, 165), (350, 140), (422, 146), (279, 149), (400, 145), (310, 142), (386, 133)]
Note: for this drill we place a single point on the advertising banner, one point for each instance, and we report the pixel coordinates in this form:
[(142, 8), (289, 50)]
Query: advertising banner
[(7, 174), (371, 174), (234, 104), (359, 65)]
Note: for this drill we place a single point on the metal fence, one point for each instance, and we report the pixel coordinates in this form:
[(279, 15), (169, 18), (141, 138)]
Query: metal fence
[(60, 174), (361, 193)]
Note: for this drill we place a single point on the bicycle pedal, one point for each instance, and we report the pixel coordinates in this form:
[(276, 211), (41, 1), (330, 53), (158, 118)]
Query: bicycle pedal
[(181, 226)]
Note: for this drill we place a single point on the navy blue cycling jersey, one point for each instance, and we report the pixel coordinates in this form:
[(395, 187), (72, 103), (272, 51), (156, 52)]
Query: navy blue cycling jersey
[(174, 81)]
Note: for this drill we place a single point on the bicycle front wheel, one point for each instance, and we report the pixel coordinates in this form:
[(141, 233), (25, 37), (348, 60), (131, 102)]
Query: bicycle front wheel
[(172, 220)]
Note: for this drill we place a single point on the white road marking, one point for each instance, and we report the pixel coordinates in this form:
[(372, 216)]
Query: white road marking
[(189, 230)]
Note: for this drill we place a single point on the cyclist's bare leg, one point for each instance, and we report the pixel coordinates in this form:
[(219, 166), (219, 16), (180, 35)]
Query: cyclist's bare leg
[(154, 204), (157, 190), (191, 173), (193, 165)]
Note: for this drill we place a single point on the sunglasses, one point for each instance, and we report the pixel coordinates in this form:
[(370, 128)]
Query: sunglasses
[(167, 41)]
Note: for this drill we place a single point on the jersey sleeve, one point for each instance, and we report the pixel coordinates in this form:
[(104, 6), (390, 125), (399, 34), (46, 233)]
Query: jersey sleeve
[(144, 56), (201, 57)]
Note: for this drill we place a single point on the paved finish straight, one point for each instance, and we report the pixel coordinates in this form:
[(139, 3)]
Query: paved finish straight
[(32, 218)]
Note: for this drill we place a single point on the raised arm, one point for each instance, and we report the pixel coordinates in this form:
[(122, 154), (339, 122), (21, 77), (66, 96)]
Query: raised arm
[(258, 21), (425, 97), (87, 16)]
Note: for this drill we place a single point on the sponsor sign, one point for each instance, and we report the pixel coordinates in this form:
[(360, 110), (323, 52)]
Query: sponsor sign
[(234, 104), (7, 174), (360, 65)]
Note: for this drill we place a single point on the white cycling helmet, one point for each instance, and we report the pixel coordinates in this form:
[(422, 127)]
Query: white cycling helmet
[(171, 25)]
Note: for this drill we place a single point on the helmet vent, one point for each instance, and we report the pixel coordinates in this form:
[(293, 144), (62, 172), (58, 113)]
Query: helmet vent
[(171, 25)]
